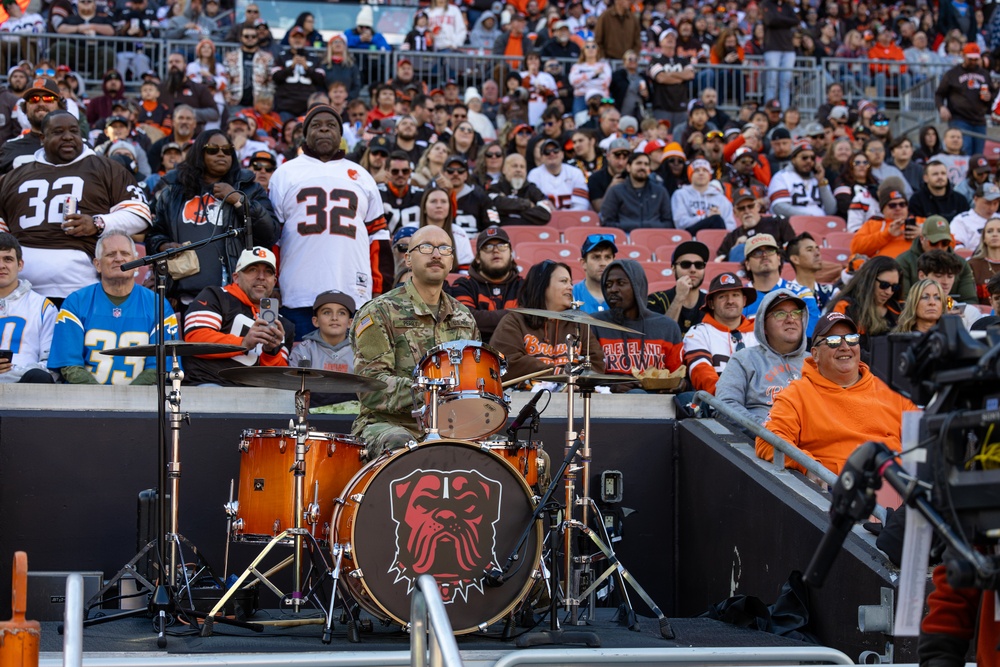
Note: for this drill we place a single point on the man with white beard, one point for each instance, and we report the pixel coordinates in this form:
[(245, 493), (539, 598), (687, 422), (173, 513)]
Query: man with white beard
[(517, 201)]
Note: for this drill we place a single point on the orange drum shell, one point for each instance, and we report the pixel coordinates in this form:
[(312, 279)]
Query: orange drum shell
[(469, 375), (524, 459), (267, 484)]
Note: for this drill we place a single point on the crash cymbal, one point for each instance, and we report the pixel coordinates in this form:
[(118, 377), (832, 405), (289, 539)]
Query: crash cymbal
[(589, 379), (173, 347), (577, 316), (285, 377)]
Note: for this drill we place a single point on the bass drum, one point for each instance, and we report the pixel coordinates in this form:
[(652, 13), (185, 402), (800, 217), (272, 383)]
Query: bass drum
[(448, 508)]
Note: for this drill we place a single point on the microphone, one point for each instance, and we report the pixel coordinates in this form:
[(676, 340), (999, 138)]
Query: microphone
[(493, 577), (526, 412)]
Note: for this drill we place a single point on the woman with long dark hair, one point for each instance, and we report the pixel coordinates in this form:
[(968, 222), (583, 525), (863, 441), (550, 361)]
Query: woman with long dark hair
[(871, 299), (307, 22), (531, 343), (930, 145), (856, 191), (202, 198), (437, 208)]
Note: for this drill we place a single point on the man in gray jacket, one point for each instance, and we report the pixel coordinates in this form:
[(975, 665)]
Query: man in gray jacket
[(639, 201), (755, 375)]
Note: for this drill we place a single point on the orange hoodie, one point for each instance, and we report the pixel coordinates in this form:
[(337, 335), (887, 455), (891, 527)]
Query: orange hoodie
[(828, 421), (873, 238), (891, 52)]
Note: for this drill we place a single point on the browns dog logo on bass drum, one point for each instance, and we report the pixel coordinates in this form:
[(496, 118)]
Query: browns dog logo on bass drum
[(445, 527)]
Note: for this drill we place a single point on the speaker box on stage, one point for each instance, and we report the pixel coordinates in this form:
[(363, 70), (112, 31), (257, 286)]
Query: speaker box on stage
[(47, 593), (146, 531)]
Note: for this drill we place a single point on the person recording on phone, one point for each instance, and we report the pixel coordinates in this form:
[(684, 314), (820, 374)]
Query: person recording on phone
[(892, 233), (203, 198), (238, 314)]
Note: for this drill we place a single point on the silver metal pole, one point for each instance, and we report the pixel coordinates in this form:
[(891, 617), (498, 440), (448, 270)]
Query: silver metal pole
[(73, 622)]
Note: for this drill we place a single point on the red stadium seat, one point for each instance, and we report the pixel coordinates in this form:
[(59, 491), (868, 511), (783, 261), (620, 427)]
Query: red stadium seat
[(652, 238), (665, 253), (531, 234), (528, 254), (639, 253), (787, 271), (964, 253), (658, 271), (661, 285), (576, 235), (564, 219), (835, 255), (817, 225), (715, 268), (142, 271), (712, 238), (839, 239)]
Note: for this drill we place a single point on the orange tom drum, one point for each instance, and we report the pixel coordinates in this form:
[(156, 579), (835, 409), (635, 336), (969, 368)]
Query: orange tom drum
[(266, 501), (474, 407)]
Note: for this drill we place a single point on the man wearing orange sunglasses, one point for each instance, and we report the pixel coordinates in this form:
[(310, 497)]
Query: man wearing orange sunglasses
[(41, 97)]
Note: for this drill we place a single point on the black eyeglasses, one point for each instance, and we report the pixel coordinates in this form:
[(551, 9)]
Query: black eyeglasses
[(249, 35), (262, 166), (215, 149), (620, 154), (685, 264), (400, 172), (763, 252), (885, 284), (833, 342), (429, 248), (459, 115), (550, 151), (496, 247)]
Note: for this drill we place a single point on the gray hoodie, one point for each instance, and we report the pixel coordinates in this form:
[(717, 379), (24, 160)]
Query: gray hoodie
[(314, 352), (658, 346), (482, 37), (754, 375)]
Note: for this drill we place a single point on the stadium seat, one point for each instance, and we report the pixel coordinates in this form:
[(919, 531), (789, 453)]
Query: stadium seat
[(964, 253), (639, 253), (652, 238), (564, 219), (712, 238), (531, 234), (576, 235), (817, 225), (991, 150), (788, 271), (661, 285), (836, 255), (984, 308), (715, 268), (839, 239), (664, 253), (528, 254), (657, 272)]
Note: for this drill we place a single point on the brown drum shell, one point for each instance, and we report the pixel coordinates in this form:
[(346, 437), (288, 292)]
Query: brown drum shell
[(474, 407), (523, 457), (267, 483), (379, 568)]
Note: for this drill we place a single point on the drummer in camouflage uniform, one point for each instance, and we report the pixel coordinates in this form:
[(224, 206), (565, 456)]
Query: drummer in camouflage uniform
[(391, 334)]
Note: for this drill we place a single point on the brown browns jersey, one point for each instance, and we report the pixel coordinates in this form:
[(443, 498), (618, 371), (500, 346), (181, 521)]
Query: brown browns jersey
[(33, 197)]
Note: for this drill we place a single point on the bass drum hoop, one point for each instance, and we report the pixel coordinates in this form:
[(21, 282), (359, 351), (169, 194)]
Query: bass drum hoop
[(370, 601)]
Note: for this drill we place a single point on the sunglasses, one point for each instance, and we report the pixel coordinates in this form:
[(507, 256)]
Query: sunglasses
[(466, 129), (595, 239), (400, 172), (549, 123), (262, 166), (782, 315), (452, 171), (686, 265), (35, 99), (402, 247), (833, 342), (45, 72), (747, 208), (494, 155), (861, 163), (528, 132), (675, 160), (215, 149), (885, 284), (459, 115), (621, 154), (896, 204)]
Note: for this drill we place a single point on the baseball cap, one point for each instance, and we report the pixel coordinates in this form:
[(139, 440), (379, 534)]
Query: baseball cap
[(491, 234), (172, 146), (44, 86), (971, 50), (628, 122), (334, 296), (839, 112), (380, 145), (880, 119), (725, 282), (759, 241), (814, 129), (117, 119), (773, 105), (780, 133), (695, 104), (297, 30), (988, 191), (263, 155), (690, 248), (619, 145), (893, 194), (743, 151), (520, 128), (936, 229), (784, 295), (828, 321), (802, 146), (549, 141), (458, 159), (653, 146), (978, 162), (594, 241), (742, 195), (258, 255), (402, 233)]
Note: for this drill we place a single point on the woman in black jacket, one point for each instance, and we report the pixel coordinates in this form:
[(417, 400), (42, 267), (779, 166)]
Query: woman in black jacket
[(206, 195)]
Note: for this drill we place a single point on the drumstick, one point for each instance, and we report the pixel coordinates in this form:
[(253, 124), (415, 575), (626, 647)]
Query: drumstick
[(292, 622), (521, 379)]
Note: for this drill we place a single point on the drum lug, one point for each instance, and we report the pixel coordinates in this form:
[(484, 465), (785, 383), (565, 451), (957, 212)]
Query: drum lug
[(282, 445), (326, 531), (477, 354), (276, 527), (483, 627), (232, 508), (356, 574), (331, 448), (237, 527), (357, 498), (480, 384), (412, 444), (244, 444), (312, 513)]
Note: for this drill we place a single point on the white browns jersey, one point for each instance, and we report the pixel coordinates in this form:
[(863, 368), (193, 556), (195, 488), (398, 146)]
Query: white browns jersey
[(331, 215), (567, 191), (788, 186)]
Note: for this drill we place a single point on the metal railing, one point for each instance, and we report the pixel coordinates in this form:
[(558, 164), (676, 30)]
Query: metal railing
[(429, 618), (673, 655), (781, 447)]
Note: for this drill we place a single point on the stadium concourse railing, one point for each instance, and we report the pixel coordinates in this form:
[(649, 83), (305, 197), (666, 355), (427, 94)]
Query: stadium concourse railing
[(912, 90)]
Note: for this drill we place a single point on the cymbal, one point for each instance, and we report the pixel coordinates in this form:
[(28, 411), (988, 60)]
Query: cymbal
[(589, 379), (172, 347), (294, 379), (577, 316)]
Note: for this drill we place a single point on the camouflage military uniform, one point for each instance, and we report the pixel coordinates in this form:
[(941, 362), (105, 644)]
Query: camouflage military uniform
[(390, 335)]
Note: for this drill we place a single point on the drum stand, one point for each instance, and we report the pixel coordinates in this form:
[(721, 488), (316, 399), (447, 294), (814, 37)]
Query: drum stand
[(300, 536), (433, 385)]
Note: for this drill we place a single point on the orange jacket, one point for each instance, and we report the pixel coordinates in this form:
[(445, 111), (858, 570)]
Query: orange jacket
[(952, 614), (828, 422), (874, 239), (761, 167), (891, 52)]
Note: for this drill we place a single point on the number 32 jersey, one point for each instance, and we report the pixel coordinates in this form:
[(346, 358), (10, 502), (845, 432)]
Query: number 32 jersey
[(332, 218)]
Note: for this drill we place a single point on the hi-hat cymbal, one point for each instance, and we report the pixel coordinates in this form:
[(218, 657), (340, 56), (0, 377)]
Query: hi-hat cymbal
[(294, 379), (588, 379), (577, 316), (173, 347)]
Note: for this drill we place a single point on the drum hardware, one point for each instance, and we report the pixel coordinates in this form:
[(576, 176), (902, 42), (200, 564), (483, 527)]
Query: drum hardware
[(434, 386)]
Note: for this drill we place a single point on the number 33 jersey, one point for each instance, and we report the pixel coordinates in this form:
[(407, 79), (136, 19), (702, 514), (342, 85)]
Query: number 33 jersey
[(331, 215)]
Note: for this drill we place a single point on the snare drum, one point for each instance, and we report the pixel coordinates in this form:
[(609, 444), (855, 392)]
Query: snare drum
[(448, 508), (474, 407), (266, 501)]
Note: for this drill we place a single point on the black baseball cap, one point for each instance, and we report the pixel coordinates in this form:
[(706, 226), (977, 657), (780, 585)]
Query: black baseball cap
[(333, 296), (690, 248)]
